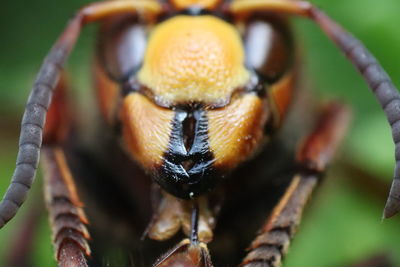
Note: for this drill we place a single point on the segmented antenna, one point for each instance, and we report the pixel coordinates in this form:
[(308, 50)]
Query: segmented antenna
[(33, 121), (376, 77), (380, 84), (39, 100)]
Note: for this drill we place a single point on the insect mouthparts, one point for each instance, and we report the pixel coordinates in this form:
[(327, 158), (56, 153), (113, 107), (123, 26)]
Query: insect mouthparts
[(188, 164)]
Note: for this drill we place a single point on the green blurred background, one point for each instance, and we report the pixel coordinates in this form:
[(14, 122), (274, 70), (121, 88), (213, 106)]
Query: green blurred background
[(342, 225)]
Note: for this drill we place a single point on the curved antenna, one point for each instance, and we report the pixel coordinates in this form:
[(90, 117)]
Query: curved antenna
[(380, 84), (40, 97), (375, 76)]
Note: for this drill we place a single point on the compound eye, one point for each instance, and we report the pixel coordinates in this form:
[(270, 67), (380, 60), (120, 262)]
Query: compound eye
[(122, 46), (268, 49)]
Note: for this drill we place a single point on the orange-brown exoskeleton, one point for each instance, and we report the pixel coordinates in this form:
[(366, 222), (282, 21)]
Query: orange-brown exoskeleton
[(192, 93)]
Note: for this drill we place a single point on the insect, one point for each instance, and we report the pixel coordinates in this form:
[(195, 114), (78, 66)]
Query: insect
[(192, 123)]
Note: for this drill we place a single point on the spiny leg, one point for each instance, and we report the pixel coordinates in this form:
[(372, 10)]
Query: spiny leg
[(41, 94), (67, 218), (316, 152), (376, 77)]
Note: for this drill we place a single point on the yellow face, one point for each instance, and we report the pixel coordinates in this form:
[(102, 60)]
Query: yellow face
[(193, 59), (194, 119)]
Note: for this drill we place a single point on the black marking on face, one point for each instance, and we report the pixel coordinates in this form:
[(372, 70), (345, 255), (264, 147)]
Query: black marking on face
[(188, 164)]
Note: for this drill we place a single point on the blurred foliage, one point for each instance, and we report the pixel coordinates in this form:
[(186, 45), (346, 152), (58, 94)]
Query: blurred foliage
[(343, 223)]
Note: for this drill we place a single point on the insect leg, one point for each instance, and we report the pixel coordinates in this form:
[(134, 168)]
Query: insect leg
[(313, 156), (67, 218), (41, 94), (373, 73)]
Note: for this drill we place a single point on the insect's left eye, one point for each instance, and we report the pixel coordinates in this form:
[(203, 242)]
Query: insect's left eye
[(122, 46), (268, 47)]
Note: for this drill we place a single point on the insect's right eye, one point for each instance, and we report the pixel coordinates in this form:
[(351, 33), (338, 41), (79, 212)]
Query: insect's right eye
[(122, 46), (268, 47)]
